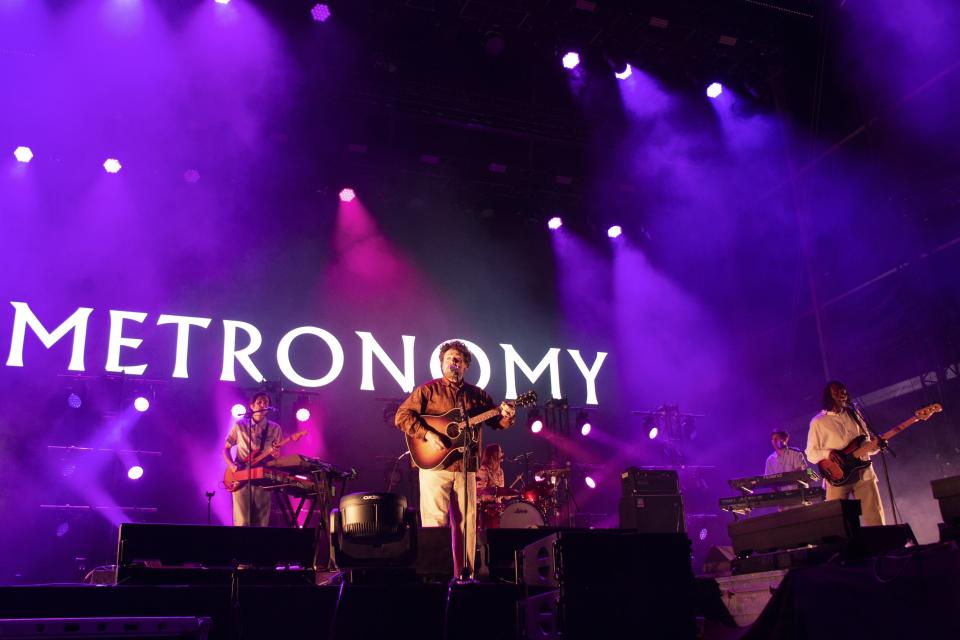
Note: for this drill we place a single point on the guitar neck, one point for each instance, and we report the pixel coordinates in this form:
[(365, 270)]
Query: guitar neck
[(486, 415), (872, 445)]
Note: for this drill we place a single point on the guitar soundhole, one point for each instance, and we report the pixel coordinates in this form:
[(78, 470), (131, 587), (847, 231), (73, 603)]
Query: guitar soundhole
[(453, 430)]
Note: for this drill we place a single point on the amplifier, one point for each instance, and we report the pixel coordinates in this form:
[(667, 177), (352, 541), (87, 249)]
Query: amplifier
[(814, 524), (652, 513), (947, 493), (636, 481)]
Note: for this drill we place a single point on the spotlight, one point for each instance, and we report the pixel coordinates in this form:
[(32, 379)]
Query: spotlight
[(703, 534), (222, 1), (141, 404), (62, 529), (534, 421), (238, 410), (74, 401), (112, 165), (135, 472), (347, 195), (590, 482), (626, 73), (714, 90), (652, 433), (555, 222), (23, 154), (320, 12), (583, 423), (571, 59), (301, 410), (615, 231)]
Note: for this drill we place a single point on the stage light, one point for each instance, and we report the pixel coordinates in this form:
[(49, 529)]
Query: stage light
[(301, 408), (303, 414), (703, 534), (714, 90), (615, 231), (626, 73), (347, 195), (652, 433), (320, 12), (534, 421), (222, 1), (74, 401), (571, 59), (555, 223), (23, 154), (141, 404), (590, 482), (62, 529), (583, 423), (238, 410), (135, 472), (112, 165)]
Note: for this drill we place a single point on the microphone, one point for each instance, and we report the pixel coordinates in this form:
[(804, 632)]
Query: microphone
[(249, 410), (521, 456)]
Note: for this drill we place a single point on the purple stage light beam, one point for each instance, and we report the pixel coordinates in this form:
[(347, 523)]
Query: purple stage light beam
[(135, 472), (615, 231), (714, 90), (112, 165), (141, 404), (303, 414), (626, 73), (554, 223), (571, 59), (347, 195), (536, 426)]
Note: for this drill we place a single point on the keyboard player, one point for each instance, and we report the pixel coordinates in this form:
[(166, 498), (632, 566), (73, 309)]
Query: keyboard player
[(784, 458)]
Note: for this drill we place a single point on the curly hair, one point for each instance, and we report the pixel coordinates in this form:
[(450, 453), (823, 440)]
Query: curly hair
[(458, 346), (827, 399)]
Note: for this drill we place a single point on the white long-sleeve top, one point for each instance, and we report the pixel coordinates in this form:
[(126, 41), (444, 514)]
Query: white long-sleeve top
[(832, 430)]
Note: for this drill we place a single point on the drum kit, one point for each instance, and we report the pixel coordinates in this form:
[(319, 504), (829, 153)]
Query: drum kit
[(534, 505)]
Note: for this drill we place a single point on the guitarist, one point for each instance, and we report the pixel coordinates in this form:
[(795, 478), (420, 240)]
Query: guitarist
[(833, 428), (252, 434), (441, 489)]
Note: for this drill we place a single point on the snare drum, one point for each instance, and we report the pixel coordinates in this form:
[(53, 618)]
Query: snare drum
[(521, 514)]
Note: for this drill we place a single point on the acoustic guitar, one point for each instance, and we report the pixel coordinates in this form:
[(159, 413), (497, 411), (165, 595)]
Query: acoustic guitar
[(451, 427)]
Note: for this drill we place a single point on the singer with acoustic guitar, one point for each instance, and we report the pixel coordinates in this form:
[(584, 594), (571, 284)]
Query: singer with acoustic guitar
[(442, 499), (832, 430), (252, 435)]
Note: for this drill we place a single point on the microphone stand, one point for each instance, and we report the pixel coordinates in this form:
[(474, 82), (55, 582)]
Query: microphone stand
[(466, 572), (860, 418), (210, 495)]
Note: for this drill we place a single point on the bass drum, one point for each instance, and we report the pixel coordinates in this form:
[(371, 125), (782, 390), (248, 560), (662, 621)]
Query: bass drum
[(521, 514)]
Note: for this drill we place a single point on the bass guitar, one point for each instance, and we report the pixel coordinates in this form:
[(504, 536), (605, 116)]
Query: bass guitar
[(841, 466), (230, 480), (451, 427)]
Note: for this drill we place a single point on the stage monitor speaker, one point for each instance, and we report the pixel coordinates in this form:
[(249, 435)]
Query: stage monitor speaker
[(179, 554), (947, 493), (649, 482), (652, 514), (828, 521), (497, 551), (602, 582), (434, 554), (186, 628)]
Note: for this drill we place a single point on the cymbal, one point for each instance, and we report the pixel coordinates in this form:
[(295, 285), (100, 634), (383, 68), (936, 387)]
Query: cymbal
[(498, 492), (553, 472)]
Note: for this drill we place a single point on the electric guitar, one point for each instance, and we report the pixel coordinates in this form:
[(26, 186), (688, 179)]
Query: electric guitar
[(230, 480), (451, 427), (841, 466)]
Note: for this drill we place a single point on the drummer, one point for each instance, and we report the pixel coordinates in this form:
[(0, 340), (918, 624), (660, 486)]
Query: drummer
[(490, 473)]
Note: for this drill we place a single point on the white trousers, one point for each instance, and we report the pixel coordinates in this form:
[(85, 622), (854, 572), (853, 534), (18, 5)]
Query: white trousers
[(437, 509)]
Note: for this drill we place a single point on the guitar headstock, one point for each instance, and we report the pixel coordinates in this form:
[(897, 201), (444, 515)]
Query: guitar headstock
[(527, 399), (298, 435), (927, 412)]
